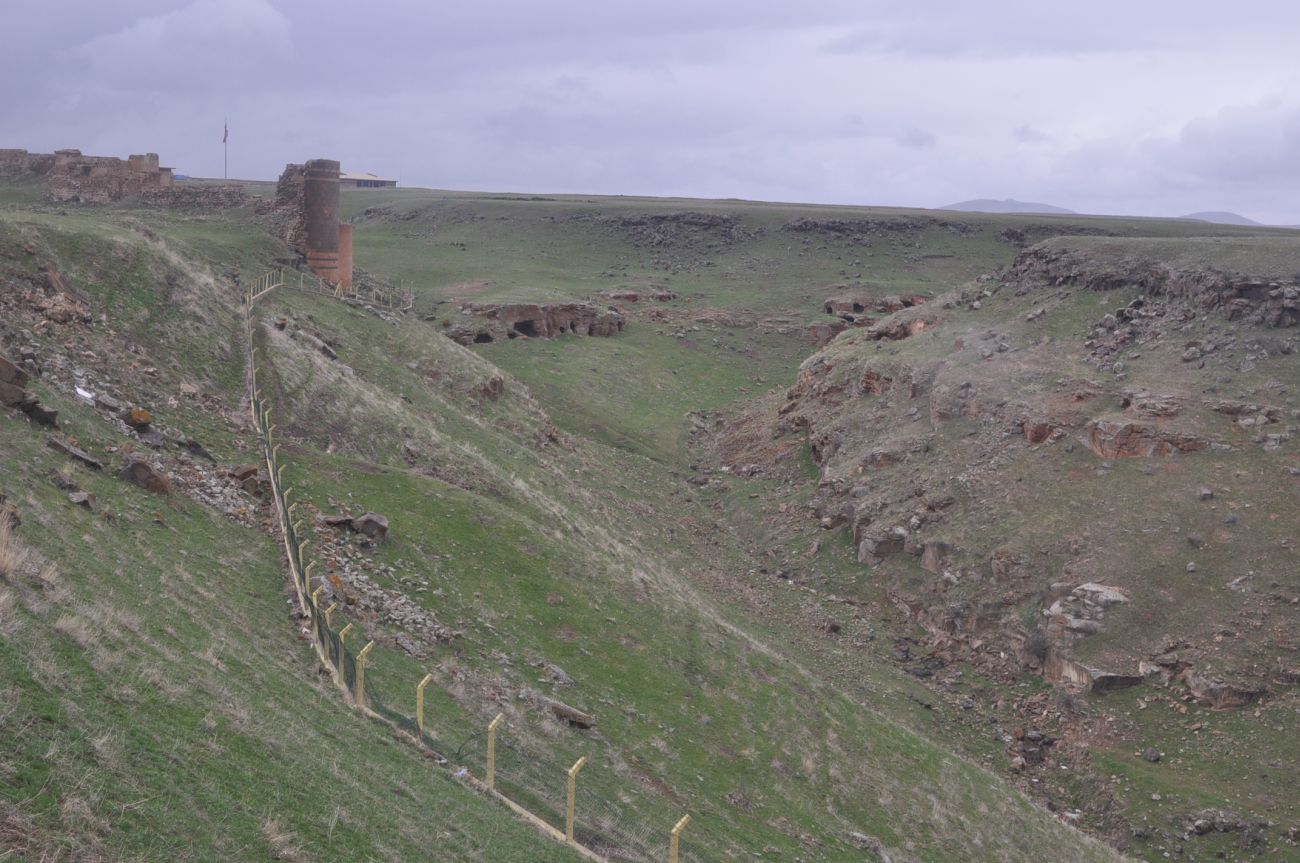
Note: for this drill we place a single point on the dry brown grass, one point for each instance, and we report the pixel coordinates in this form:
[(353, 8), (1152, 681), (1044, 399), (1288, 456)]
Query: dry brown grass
[(77, 629), (284, 844), (9, 621), (14, 556)]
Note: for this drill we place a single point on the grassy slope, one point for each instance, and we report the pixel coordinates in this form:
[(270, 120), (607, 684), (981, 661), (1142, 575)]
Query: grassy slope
[(507, 248), (157, 702), (574, 553)]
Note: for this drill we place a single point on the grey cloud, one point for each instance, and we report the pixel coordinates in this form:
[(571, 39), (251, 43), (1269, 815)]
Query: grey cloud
[(915, 139), (867, 101), (1029, 135), (207, 44)]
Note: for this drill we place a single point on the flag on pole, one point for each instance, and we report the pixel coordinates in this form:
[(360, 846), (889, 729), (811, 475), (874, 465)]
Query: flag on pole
[(225, 133)]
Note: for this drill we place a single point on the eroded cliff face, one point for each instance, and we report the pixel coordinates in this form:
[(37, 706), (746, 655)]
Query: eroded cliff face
[(1253, 299), (533, 320)]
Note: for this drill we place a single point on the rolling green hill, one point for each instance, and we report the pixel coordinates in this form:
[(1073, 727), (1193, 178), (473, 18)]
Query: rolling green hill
[(561, 529)]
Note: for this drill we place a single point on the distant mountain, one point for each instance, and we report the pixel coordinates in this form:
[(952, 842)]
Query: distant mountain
[(1010, 205), (1219, 218)]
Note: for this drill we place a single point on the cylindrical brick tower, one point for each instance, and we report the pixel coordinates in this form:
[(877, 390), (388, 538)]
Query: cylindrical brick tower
[(345, 257), (321, 211)]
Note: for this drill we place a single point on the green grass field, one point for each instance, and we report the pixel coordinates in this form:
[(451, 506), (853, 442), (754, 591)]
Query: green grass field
[(159, 702)]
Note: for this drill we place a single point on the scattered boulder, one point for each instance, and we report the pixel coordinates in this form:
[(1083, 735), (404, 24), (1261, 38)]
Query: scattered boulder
[(569, 715), (250, 479), (372, 525), (12, 374), (1101, 594), (11, 395), (137, 418), (143, 474), (82, 498), (58, 444), (1214, 821), (880, 543)]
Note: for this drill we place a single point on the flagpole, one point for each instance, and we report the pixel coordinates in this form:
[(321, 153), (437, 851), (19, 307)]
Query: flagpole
[(225, 149)]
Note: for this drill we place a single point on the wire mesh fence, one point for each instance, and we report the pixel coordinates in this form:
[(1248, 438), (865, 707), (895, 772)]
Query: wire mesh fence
[(538, 781)]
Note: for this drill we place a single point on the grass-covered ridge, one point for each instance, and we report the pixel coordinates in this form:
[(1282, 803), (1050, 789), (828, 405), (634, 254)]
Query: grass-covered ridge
[(549, 523)]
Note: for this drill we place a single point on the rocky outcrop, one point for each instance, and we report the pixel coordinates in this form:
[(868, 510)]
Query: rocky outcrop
[(531, 320), (630, 296), (13, 393), (866, 227), (1128, 439), (1218, 695), (853, 306), (1274, 303), (1076, 675)]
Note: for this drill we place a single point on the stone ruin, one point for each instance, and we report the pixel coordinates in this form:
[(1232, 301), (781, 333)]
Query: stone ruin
[(72, 177), (309, 193)]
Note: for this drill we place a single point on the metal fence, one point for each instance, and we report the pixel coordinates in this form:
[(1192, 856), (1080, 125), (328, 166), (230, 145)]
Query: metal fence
[(548, 791), (391, 299)]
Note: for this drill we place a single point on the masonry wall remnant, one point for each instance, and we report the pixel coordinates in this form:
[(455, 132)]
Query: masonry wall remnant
[(310, 193), (73, 177)]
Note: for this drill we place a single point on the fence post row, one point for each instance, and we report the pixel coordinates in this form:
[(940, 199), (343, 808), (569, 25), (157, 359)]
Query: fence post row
[(675, 842), (573, 789), (360, 695), (297, 549), (492, 749), (419, 701)]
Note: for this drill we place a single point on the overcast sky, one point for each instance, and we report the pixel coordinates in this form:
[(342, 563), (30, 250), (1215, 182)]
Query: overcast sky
[(1145, 106)]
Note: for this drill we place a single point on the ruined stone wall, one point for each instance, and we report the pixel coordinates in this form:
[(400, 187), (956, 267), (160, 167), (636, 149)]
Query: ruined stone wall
[(307, 196), (75, 177), (16, 164)]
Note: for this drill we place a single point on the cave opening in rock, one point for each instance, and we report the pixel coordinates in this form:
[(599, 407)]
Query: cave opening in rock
[(527, 328), (482, 338)]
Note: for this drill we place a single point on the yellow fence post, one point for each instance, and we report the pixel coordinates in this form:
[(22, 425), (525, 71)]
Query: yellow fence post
[(673, 844), (360, 695), (343, 633), (315, 595), (329, 614), (573, 790), (419, 701), (492, 749)]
